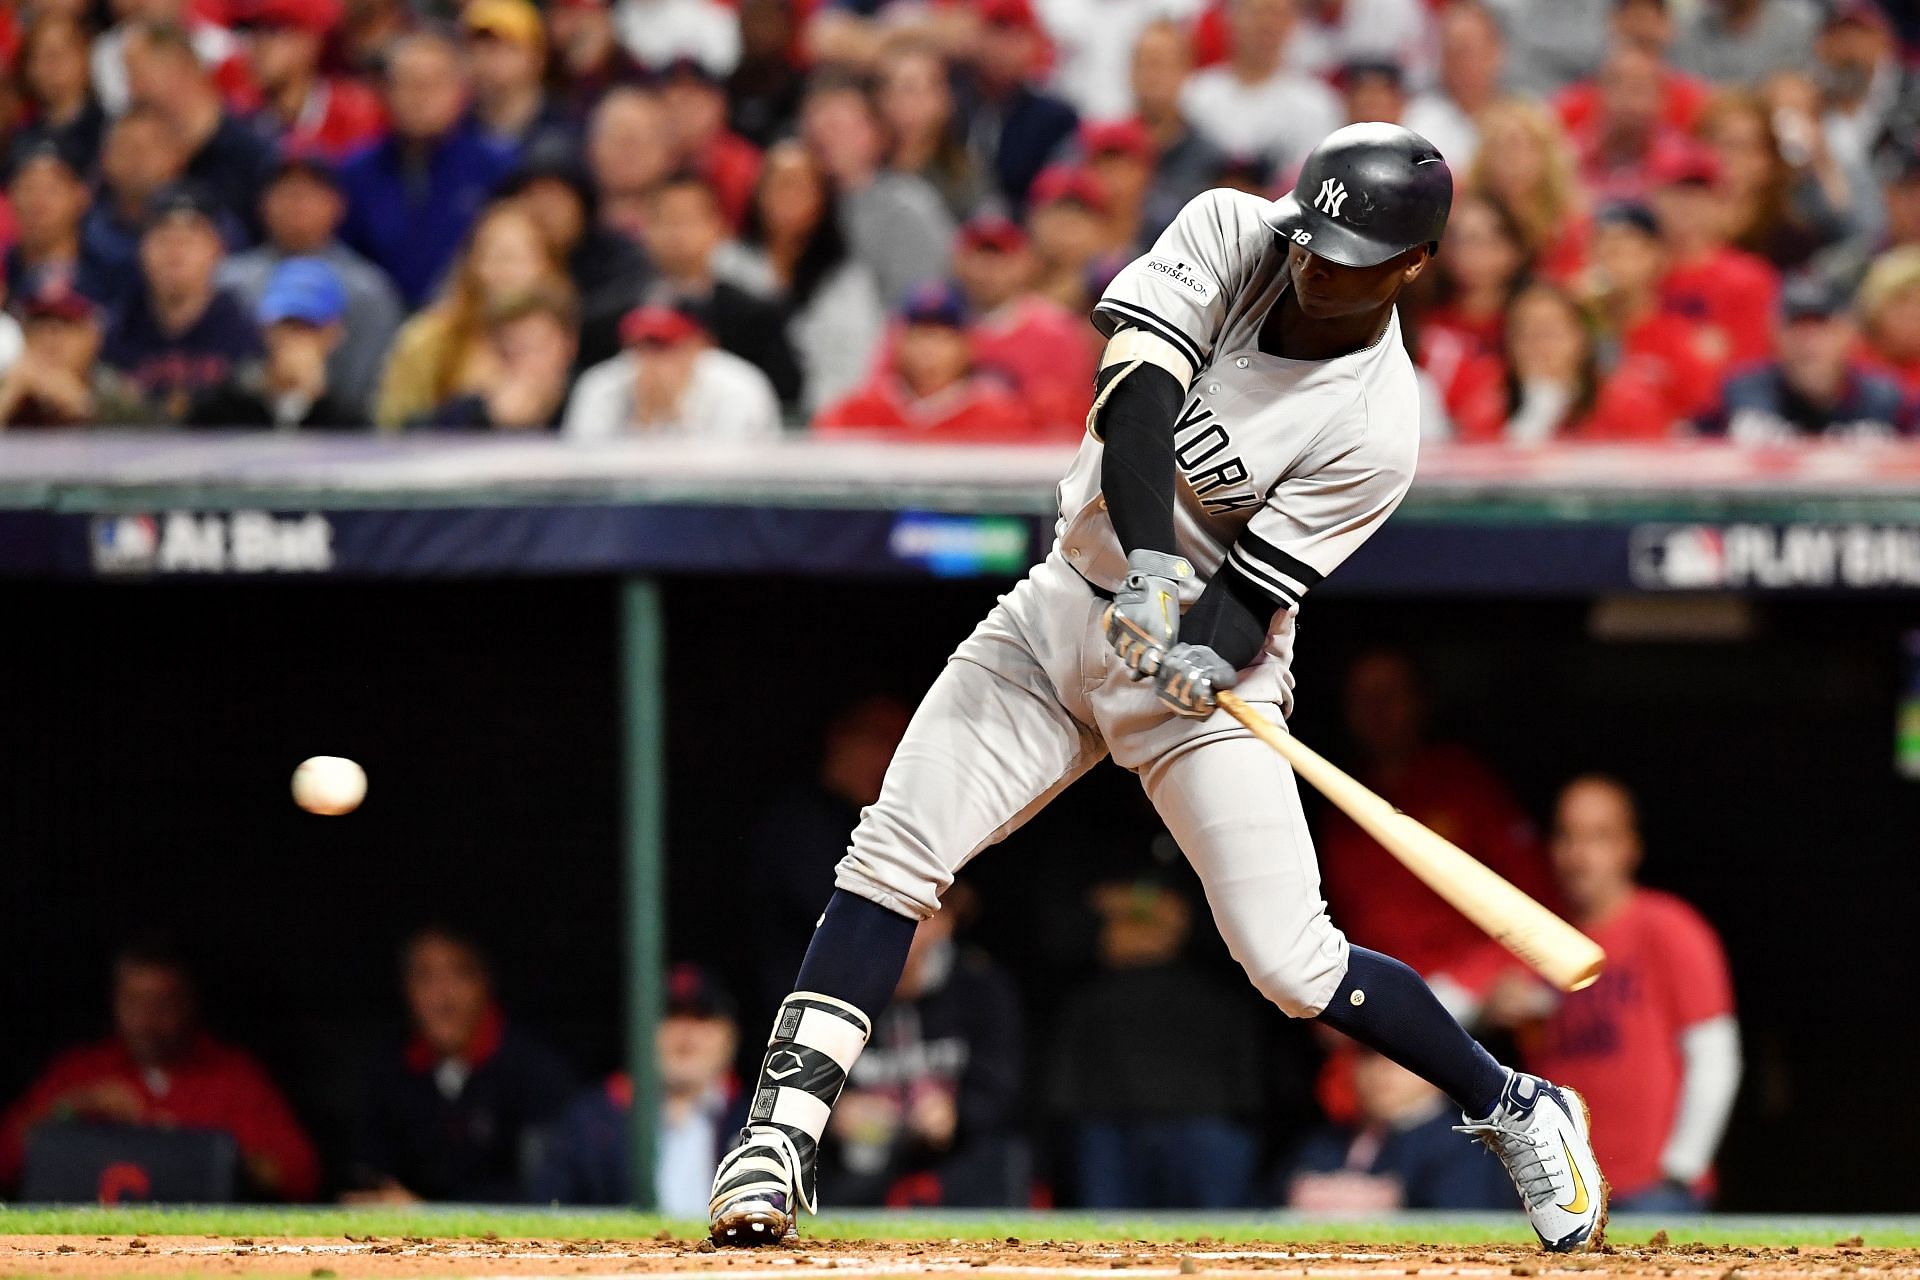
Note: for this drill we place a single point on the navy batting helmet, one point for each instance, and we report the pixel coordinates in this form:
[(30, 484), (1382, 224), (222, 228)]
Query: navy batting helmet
[(1367, 192)]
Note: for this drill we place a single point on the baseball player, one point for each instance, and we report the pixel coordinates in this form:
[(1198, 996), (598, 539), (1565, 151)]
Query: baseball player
[(1255, 419)]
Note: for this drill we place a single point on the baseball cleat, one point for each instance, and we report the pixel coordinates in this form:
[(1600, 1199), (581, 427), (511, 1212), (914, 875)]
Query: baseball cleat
[(1541, 1132), (757, 1192)]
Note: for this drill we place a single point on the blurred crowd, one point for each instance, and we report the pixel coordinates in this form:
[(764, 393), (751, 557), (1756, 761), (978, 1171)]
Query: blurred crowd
[(1141, 1071), (731, 218)]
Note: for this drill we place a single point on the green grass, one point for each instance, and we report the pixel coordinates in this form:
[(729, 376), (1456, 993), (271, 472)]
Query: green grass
[(522, 1223)]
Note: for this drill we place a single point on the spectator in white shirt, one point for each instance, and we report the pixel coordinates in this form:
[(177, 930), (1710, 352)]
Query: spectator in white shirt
[(1093, 44), (657, 32), (1333, 33), (671, 381), (1472, 60), (1253, 104)]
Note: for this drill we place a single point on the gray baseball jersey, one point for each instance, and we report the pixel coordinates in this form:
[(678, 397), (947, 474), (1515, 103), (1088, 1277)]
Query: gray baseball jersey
[(1285, 466)]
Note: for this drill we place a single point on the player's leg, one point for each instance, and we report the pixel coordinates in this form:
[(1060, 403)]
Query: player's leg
[(1234, 808), (989, 746)]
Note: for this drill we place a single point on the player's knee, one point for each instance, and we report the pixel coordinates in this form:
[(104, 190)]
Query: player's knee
[(890, 864), (1302, 976)]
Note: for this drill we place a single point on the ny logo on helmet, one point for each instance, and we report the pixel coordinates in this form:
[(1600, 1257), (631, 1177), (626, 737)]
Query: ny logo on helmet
[(1333, 194)]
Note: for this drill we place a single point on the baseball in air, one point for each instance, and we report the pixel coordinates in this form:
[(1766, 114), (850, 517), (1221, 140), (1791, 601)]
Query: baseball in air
[(329, 785)]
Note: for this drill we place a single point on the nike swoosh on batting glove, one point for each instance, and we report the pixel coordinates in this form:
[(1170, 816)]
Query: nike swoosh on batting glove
[(1145, 613)]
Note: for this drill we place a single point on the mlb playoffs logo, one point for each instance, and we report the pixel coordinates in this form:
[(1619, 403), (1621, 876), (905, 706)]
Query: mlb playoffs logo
[(1699, 557), (190, 542)]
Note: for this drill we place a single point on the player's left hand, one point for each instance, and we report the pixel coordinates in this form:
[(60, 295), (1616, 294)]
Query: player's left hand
[(1145, 614), (1187, 677)]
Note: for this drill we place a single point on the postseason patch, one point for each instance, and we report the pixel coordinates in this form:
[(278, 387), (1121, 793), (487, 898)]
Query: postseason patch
[(1183, 274)]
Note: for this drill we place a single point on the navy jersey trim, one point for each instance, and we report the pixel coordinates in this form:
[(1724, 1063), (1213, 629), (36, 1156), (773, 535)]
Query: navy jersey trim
[(1262, 579), (1132, 314), (1304, 574)]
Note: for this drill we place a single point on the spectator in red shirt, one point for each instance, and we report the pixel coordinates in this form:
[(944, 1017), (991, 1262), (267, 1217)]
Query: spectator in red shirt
[(301, 108), (1782, 193), (1044, 350), (1068, 222), (1653, 1045), (695, 101), (1447, 787), (1626, 136), (1120, 157), (1549, 386), (1484, 262), (1658, 346), (929, 391), (160, 1068), (1647, 25), (1525, 165), (1889, 305), (1730, 293)]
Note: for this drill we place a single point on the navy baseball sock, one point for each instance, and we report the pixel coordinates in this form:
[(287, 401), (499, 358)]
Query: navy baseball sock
[(857, 953), (1390, 1009)]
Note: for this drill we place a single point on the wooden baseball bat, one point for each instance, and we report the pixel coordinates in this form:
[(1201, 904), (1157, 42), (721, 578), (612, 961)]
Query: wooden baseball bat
[(1553, 948)]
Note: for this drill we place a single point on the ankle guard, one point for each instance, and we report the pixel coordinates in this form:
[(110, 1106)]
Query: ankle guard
[(814, 1044)]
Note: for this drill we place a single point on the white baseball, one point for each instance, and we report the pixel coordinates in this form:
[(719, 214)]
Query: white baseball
[(330, 785)]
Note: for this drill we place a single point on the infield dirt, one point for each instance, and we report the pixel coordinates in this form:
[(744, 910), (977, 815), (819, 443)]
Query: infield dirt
[(402, 1258)]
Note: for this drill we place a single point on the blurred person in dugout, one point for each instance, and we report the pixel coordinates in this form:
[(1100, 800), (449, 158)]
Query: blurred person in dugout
[(589, 1158), (460, 1110), (928, 388), (802, 835), (161, 1068), (1653, 1045), (1156, 1068), (1398, 1152), (1815, 387), (1443, 785), (672, 380), (302, 315), (929, 1114)]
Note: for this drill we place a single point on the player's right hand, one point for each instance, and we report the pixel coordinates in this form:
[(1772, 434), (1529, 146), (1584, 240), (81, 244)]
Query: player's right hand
[(1144, 618)]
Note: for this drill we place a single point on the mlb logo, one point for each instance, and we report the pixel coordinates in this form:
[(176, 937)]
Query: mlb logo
[(125, 544), (1678, 557)]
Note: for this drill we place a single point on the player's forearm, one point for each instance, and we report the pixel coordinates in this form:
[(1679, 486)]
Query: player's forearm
[(1230, 617), (1710, 1053), (1135, 420)]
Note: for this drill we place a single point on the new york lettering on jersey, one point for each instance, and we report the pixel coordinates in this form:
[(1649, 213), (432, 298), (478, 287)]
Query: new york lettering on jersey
[(1213, 470)]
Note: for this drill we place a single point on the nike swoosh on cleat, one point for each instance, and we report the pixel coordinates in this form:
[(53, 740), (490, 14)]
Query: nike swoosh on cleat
[(1579, 1203)]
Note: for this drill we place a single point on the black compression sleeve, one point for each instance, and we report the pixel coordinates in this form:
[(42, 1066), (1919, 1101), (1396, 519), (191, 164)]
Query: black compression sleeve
[(1136, 470), (1230, 617)]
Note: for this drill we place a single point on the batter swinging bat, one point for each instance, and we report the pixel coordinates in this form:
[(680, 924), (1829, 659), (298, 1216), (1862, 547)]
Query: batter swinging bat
[(1555, 949)]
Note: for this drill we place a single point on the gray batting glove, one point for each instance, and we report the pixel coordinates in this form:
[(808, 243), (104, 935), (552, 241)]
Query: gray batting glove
[(1145, 613), (1188, 675)]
